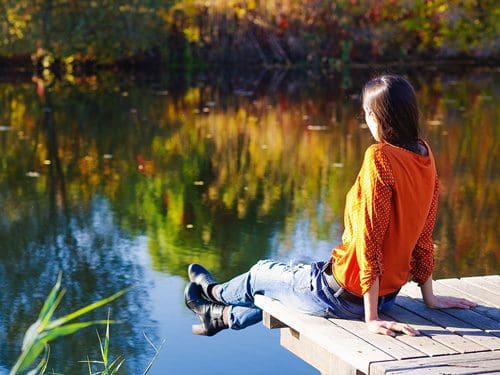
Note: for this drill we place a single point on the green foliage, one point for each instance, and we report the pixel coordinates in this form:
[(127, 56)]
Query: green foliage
[(105, 31), (109, 368), (112, 368), (44, 330), (189, 32)]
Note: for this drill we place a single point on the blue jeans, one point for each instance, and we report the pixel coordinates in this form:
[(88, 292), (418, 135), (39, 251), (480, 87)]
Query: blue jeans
[(300, 287)]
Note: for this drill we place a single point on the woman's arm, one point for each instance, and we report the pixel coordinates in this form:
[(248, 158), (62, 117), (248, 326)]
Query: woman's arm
[(384, 327), (442, 302)]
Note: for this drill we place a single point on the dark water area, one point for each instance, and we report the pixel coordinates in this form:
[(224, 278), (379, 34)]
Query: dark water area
[(124, 179)]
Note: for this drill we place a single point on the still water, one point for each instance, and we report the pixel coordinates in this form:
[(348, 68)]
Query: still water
[(118, 180)]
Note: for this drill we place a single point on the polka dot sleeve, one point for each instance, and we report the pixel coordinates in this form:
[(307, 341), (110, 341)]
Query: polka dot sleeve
[(373, 215), (422, 260)]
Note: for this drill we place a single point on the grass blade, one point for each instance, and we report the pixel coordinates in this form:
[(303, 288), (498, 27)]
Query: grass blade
[(68, 329), (157, 352), (27, 357), (106, 343), (104, 360), (115, 365), (51, 309), (50, 298), (149, 341), (88, 364), (86, 309), (30, 336), (42, 365)]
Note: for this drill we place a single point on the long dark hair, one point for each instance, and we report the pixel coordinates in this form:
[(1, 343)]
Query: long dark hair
[(393, 102)]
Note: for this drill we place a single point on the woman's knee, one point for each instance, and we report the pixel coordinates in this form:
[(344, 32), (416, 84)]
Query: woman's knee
[(260, 264)]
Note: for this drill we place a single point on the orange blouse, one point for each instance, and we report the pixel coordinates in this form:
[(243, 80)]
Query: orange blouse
[(389, 218)]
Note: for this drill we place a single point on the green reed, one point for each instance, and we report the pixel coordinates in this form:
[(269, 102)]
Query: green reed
[(35, 350), (111, 368)]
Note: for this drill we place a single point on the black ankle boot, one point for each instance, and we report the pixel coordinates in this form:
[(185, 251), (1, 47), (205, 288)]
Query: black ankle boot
[(210, 314), (199, 275)]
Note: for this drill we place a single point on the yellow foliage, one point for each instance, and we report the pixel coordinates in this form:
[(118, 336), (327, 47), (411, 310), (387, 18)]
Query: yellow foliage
[(192, 33), (253, 158), (443, 7), (17, 22)]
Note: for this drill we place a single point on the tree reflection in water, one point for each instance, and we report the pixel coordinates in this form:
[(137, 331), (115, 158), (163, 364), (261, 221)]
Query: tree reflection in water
[(225, 171)]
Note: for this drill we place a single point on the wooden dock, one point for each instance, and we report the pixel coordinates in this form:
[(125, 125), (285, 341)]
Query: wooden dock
[(452, 341)]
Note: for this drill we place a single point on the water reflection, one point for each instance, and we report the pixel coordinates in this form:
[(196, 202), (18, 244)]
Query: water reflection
[(99, 176)]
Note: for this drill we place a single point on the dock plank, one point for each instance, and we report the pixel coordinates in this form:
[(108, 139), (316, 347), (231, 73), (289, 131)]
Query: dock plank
[(317, 356), (482, 294), (490, 313), (397, 348), (483, 308), (452, 343), (327, 335), (481, 282), (493, 278), (470, 363), (449, 322)]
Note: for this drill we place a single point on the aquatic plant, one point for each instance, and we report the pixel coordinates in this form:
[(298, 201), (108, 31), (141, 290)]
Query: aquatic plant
[(45, 330), (111, 368)]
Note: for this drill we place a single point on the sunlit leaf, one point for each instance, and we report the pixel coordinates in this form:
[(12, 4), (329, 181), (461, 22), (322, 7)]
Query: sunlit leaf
[(68, 329), (84, 310), (28, 357)]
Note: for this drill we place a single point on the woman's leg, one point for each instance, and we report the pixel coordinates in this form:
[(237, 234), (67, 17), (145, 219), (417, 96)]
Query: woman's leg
[(290, 284), (214, 314), (239, 317)]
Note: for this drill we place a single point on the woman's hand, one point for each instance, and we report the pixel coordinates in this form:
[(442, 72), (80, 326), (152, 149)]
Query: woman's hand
[(384, 327), (389, 328), (446, 302), (442, 302)]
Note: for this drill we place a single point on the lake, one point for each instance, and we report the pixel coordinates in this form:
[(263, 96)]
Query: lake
[(124, 179)]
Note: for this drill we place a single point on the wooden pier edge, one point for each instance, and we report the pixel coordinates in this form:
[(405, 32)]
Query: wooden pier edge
[(453, 341)]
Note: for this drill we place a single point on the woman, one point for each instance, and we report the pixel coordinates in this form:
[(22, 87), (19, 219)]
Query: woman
[(389, 218)]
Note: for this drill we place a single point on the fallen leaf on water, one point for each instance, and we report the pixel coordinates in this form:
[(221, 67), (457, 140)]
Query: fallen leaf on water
[(434, 122), (317, 127), (240, 92)]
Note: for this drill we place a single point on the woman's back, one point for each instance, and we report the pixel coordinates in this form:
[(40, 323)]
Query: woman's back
[(388, 209)]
